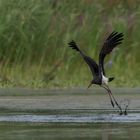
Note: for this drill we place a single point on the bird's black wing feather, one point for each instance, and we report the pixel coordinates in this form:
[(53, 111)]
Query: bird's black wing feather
[(91, 63), (110, 43)]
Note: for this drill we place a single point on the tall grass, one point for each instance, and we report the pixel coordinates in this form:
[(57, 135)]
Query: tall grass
[(34, 36)]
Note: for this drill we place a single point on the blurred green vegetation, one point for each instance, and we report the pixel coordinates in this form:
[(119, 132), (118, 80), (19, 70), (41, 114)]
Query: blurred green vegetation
[(34, 36)]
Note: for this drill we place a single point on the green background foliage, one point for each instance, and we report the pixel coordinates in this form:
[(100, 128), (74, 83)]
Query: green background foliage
[(34, 36)]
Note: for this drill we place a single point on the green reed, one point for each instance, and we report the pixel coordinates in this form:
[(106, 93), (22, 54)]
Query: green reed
[(34, 36)]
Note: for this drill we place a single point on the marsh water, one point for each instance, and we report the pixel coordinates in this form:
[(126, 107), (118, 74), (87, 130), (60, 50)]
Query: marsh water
[(85, 125), (68, 116), (69, 131)]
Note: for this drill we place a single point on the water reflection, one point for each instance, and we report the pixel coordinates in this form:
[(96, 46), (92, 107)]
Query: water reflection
[(70, 127), (69, 131), (81, 118)]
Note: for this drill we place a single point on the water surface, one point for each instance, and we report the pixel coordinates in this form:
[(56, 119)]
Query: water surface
[(77, 118), (69, 131), (68, 116), (80, 126)]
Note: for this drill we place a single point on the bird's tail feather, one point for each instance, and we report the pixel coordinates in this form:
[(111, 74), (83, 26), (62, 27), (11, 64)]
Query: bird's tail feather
[(110, 79)]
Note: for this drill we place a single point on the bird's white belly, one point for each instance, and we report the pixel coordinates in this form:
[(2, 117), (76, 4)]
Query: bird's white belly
[(104, 80)]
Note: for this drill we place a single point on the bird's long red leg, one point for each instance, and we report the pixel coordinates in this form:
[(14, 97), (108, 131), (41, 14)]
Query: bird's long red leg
[(114, 99), (109, 96)]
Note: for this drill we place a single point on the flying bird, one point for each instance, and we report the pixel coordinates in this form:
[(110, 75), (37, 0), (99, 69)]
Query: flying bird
[(97, 70)]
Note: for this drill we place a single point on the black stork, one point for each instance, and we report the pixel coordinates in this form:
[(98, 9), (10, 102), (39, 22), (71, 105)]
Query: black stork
[(98, 72)]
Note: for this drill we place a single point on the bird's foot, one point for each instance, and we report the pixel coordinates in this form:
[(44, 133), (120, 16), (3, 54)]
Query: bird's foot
[(126, 107), (125, 112), (121, 113)]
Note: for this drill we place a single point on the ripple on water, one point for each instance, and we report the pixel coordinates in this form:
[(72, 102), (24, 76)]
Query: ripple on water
[(133, 117)]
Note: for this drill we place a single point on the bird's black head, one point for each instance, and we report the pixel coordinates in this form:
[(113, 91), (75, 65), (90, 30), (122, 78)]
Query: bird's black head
[(90, 84), (96, 80)]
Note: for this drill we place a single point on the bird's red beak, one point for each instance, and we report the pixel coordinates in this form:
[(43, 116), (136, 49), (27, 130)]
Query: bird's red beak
[(89, 85)]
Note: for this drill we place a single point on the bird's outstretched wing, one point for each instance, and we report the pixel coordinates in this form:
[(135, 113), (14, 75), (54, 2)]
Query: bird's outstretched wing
[(110, 43), (91, 63)]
